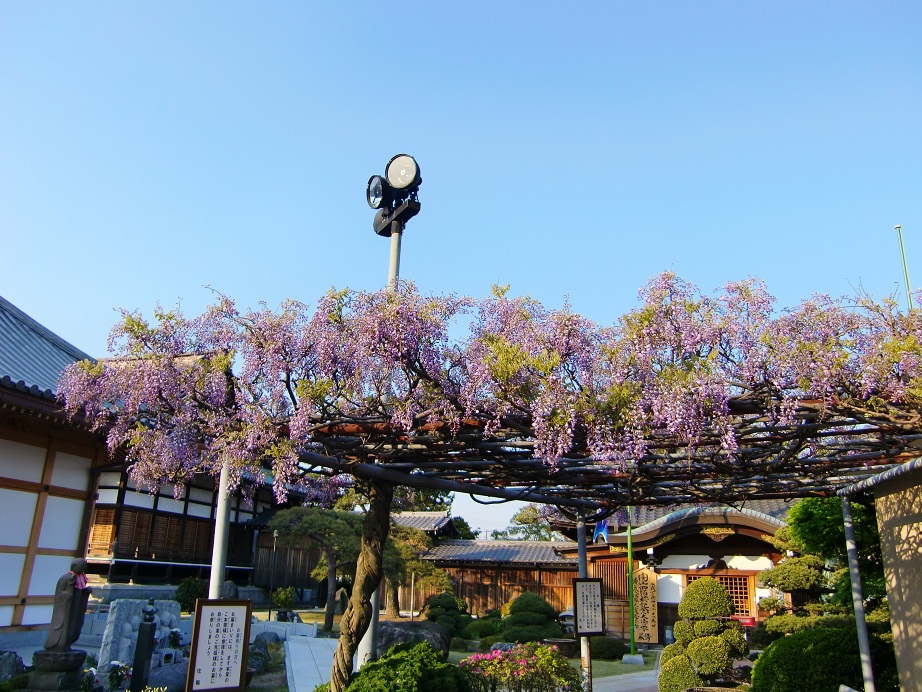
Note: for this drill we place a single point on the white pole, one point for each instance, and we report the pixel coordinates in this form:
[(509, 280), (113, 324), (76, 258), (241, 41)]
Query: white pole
[(221, 533)]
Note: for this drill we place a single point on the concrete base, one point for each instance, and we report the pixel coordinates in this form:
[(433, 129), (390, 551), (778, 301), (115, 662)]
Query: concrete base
[(633, 659)]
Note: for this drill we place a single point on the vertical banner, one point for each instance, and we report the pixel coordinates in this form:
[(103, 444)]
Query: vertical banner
[(588, 614), (646, 623), (220, 638)]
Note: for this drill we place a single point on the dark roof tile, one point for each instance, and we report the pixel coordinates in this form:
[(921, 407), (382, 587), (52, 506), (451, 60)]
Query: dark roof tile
[(31, 357), (507, 552)]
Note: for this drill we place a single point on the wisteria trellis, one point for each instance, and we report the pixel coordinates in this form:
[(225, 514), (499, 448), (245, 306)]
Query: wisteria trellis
[(687, 398)]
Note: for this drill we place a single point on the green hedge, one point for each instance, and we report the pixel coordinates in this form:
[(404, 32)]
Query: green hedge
[(607, 648), (820, 660)]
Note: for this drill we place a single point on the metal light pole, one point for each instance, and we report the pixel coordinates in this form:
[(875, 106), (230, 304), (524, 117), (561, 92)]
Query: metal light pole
[(275, 538), (899, 233), (395, 197)]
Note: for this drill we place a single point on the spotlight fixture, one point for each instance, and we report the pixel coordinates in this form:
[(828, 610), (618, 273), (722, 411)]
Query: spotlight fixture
[(402, 172), (395, 194), (379, 193)]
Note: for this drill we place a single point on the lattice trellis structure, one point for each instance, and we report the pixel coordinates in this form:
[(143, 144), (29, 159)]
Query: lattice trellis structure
[(821, 450)]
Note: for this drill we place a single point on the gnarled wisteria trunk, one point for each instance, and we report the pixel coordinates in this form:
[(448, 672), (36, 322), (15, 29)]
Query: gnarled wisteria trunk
[(368, 574)]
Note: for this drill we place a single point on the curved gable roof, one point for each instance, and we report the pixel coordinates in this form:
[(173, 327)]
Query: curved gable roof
[(31, 356)]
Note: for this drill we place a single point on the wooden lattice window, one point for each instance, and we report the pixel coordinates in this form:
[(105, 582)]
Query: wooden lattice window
[(737, 586), (102, 532)]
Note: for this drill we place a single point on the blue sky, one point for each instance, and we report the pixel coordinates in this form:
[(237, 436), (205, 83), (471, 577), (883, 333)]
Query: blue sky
[(148, 151)]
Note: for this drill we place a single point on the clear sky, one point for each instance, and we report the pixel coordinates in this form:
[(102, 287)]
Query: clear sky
[(570, 150)]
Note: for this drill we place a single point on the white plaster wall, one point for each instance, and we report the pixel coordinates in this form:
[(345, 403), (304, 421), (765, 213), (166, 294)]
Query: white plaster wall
[(61, 524), (10, 573), (21, 461), (669, 588), (37, 615), (17, 510), (685, 561), (71, 471), (757, 562), (6, 616), (109, 496), (45, 573)]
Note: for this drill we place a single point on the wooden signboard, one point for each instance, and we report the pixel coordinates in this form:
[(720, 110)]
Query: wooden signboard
[(220, 638), (588, 613), (646, 627)]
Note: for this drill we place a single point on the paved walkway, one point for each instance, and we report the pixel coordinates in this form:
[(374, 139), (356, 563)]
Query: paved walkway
[(308, 661)]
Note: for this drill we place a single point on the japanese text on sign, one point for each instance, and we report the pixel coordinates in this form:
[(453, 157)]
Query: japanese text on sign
[(220, 635), (645, 616), (588, 614)]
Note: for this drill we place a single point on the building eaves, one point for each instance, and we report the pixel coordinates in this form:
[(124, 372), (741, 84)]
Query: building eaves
[(32, 357), (500, 552)]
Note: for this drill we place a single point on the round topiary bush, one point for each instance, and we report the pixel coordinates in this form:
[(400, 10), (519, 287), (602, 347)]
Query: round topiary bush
[(707, 628), (710, 656), (684, 632), (706, 597), (678, 674), (531, 619), (671, 651), (449, 612), (820, 660), (739, 647), (532, 603)]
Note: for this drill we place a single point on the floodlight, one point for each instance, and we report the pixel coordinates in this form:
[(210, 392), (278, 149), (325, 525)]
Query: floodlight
[(402, 172), (379, 193)]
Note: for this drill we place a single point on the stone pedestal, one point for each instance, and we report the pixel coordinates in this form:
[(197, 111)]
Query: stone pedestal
[(56, 670)]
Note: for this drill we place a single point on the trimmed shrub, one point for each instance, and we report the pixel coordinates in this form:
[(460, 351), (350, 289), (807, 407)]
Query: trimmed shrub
[(487, 642), (408, 668), (671, 651), (739, 648), (710, 656), (531, 619), (481, 628), (820, 660), (607, 648), (706, 598), (684, 632), (449, 612), (707, 628), (678, 674), (189, 591), (532, 603)]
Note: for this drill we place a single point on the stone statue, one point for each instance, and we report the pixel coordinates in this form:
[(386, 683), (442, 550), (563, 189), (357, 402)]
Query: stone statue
[(70, 598)]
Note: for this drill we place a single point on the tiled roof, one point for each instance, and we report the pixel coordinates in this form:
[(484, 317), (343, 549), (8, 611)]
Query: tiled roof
[(506, 552), (31, 357), (422, 521)]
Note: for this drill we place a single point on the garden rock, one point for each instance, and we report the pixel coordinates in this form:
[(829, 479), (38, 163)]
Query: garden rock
[(258, 659), (229, 590), (391, 634), (503, 646), (265, 639), (10, 664), (172, 676)]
